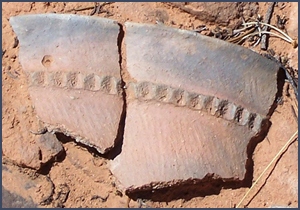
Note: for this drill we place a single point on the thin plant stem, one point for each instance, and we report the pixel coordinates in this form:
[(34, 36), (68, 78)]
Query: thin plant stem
[(273, 27), (272, 161), (267, 32)]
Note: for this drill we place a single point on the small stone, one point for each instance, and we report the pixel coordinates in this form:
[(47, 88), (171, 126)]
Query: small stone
[(49, 146)]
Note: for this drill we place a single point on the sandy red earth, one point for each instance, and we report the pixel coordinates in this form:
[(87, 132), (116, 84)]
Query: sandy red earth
[(80, 177)]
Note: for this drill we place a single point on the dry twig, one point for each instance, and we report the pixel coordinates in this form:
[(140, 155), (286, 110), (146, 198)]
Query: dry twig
[(287, 74), (98, 7), (267, 20), (80, 9)]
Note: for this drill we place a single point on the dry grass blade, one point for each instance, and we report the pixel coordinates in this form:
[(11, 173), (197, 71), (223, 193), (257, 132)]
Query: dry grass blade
[(239, 38), (268, 166), (287, 38), (271, 26), (266, 32)]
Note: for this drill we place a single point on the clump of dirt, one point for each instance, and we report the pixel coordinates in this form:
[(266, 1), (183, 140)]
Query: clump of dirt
[(81, 178)]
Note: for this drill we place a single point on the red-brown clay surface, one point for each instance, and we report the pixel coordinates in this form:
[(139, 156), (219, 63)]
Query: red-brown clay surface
[(86, 175), (160, 150)]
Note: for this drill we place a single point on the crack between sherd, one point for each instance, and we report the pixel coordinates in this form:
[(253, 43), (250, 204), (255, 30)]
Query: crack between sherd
[(117, 148)]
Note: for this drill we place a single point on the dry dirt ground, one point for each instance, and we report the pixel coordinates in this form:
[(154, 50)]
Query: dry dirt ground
[(81, 178)]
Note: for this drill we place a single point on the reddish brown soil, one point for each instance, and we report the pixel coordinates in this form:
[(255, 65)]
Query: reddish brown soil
[(84, 176)]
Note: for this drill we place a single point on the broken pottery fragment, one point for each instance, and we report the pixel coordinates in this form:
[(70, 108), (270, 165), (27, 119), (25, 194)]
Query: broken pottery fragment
[(193, 105), (73, 74)]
